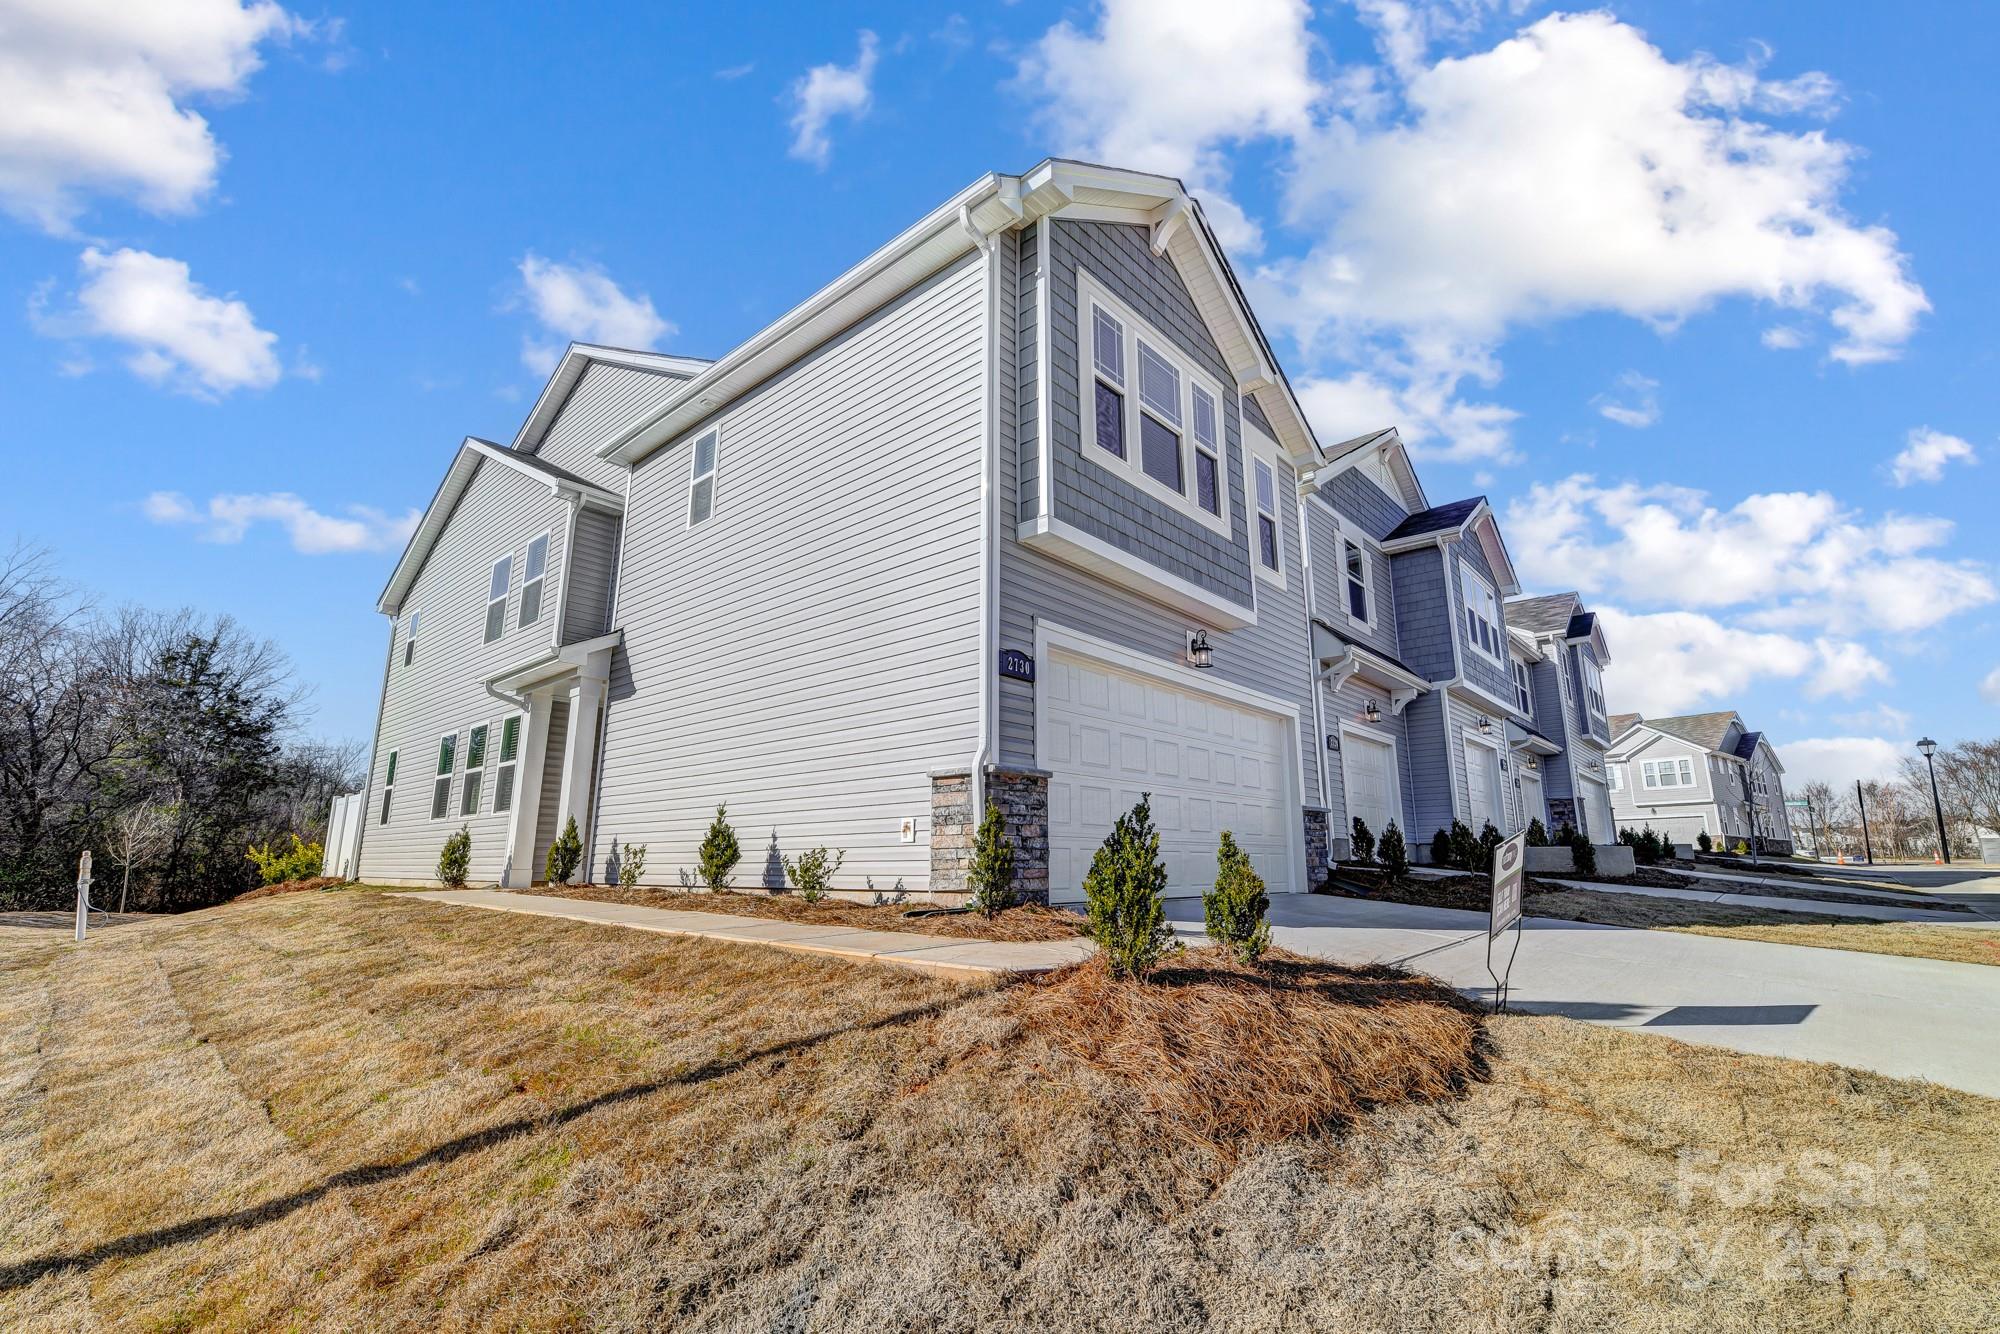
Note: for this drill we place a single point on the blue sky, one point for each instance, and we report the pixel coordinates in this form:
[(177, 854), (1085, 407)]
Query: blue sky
[(1676, 285)]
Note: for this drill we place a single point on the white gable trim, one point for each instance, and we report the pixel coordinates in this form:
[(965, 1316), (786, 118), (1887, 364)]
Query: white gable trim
[(569, 373)]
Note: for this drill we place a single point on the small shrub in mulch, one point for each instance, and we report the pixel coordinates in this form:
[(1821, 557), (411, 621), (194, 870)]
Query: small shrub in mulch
[(1226, 1057)]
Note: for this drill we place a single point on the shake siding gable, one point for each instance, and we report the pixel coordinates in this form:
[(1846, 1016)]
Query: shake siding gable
[(442, 690), (1425, 613), (1552, 718), (1478, 670), (1330, 583), (810, 654), (605, 398), (1359, 499)]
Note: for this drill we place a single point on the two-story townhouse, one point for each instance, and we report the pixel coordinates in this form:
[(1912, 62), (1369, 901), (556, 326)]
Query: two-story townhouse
[(1418, 699), (1006, 511), (1699, 773), (1560, 655)]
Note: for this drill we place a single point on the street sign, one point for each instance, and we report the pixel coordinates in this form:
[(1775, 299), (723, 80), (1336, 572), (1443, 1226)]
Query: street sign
[(1509, 870), (1510, 873)]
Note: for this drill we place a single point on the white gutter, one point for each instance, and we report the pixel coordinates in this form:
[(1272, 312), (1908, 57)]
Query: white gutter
[(1313, 678), (989, 600)]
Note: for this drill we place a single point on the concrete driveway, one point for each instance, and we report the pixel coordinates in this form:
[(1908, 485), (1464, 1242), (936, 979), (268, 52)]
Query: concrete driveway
[(1912, 1018)]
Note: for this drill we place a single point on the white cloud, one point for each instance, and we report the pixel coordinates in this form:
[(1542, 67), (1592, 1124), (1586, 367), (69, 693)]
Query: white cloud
[(1783, 337), (1840, 760), (1879, 717), (1634, 401), (95, 98), (1790, 559), (830, 90), (1924, 455), (1989, 689), (1845, 669), (177, 334), (1670, 662), (1424, 408), (1166, 85), (227, 518), (580, 303)]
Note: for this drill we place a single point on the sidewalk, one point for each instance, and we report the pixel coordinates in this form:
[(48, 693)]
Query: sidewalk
[(944, 955), (1884, 912)]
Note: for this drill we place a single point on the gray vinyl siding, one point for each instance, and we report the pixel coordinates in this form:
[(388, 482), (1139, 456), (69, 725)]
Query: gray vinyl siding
[(1273, 656), (1478, 669), (1462, 720), (1022, 249), (1425, 613), (443, 690), (1431, 807), (1553, 721), (549, 807), (1330, 580), (586, 610), (1094, 498), (810, 654), (1348, 703), (604, 399)]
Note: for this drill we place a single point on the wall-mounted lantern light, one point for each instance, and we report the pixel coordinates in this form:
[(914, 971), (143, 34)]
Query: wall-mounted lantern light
[(1485, 725), (1373, 713), (1199, 655)]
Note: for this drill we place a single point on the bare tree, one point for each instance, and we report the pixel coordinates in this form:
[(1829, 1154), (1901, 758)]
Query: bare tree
[(140, 833)]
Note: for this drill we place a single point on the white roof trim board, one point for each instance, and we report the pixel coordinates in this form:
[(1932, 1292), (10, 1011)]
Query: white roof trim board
[(963, 223), (577, 360), (465, 464)]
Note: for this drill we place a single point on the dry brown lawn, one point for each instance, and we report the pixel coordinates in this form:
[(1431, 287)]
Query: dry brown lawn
[(352, 1111), (1027, 922), (1921, 940)]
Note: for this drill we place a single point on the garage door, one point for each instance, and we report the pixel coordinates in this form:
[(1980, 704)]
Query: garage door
[(1106, 736), (1482, 786), (1531, 800), (1597, 810), (1368, 775)]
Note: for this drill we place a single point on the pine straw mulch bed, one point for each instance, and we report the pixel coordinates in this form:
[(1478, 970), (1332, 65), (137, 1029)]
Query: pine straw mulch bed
[(290, 887), (1222, 1057), (1025, 923)]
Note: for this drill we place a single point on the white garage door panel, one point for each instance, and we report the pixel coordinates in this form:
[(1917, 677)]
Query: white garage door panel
[(1107, 736)]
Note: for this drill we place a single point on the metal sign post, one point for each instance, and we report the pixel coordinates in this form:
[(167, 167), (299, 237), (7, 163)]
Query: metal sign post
[(82, 894), (1510, 870)]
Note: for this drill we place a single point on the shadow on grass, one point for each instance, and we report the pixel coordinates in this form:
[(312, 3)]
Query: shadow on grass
[(25, 1272)]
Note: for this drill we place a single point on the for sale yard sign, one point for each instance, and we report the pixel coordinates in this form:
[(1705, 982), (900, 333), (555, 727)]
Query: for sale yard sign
[(1509, 870)]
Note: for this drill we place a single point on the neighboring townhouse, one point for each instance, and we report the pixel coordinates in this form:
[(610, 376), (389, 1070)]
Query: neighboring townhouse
[(1420, 702), (1559, 660), (1699, 773), (1009, 510)]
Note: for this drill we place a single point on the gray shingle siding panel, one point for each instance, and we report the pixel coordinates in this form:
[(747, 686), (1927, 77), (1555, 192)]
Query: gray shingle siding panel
[(1367, 504), (810, 654), (1027, 415), (1330, 580), (442, 690), (1425, 612), (1093, 498), (604, 399), (1478, 669), (1255, 416)]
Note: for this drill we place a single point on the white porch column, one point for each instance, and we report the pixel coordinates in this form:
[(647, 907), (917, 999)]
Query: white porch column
[(580, 756), (519, 869)]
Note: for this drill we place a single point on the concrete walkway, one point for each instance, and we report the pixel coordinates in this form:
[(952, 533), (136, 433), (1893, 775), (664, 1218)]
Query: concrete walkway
[(1884, 912), (1912, 1018), (944, 955)]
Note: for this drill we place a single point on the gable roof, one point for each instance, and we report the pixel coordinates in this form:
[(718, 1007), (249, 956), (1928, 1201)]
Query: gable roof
[(1707, 730), (474, 453), (1549, 613), (969, 221), (1621, 723), (569, 373), (1357, 450), (1447, 518)]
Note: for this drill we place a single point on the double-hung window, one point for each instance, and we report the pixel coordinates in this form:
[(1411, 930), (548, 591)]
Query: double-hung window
[(496, 597), (410, 640), (388, 786), (1523, 696), (533, 575), (1269, 556), (701, 478), (1482, 614), (475, 770), (1616, 774), (1149, 411), (1593, 685), (441, 789), (503, 775), (1107, 361), (1667, 773), (1357, 576)]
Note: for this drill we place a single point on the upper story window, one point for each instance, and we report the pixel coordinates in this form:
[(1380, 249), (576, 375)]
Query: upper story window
[(534, 573), (1269, 553), (1482, 615), (410, 640), (701, 486), (388, 787), (496, 597), (1616, 774), (1357, 572), (1150, 414), (1593, 685), (1524, 697), (1667, 773)]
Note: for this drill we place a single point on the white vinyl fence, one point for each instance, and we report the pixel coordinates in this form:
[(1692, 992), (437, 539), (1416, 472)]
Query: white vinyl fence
[(343, 837)]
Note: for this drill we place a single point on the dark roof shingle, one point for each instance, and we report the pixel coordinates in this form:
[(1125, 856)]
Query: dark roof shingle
[(1551, 611), (1436, 519)]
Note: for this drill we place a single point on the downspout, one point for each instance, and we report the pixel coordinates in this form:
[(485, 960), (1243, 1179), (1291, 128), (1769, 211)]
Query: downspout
[(989, 684), (1315, 675)]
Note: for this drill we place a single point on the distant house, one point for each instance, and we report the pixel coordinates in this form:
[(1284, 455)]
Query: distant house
[(1698, 773)]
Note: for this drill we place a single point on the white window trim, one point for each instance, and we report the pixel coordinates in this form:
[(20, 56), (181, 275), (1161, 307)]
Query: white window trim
[(1259, 448), (443, 776), (547, 538), (1091, 293), (475, 777), (1349, 728), (501, 601), (410, 638), (714, 476), (1593, 684), (1469, 577), (388, 787), (1522, 673), (1345, 534)]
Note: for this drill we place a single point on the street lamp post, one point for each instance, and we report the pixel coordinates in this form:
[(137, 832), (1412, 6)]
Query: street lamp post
[(1927, 748)]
